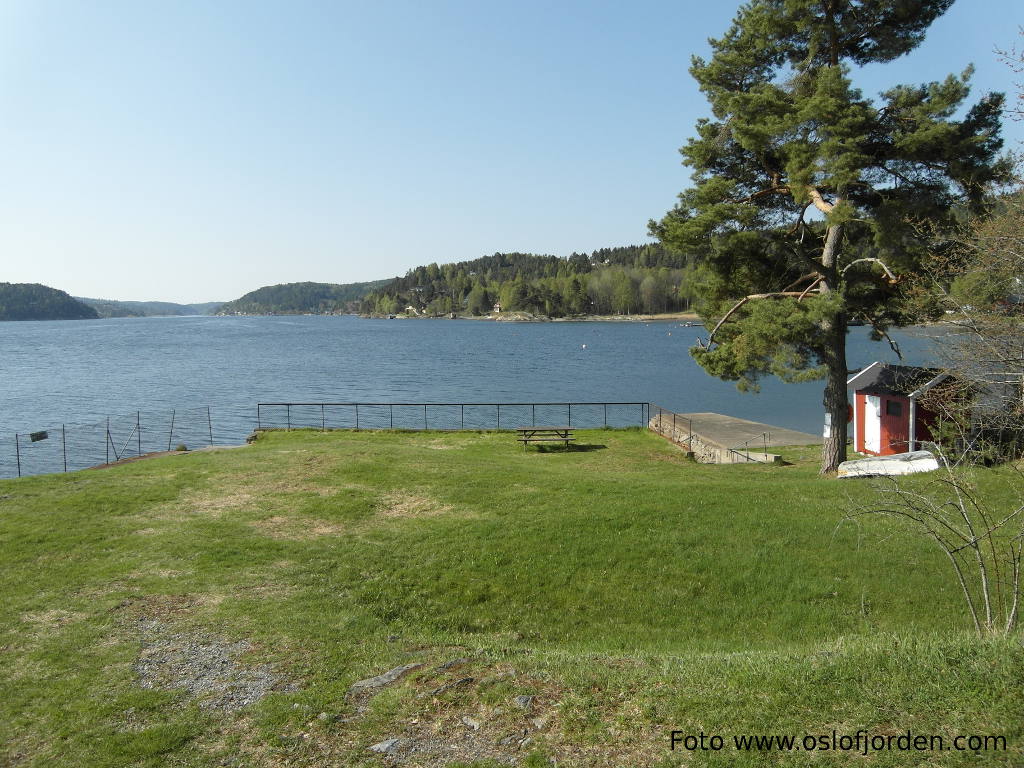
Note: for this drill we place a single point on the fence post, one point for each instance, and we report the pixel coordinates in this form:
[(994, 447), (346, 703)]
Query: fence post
[(606, 414), (570, 414), (259, 423), (17, 452), (288, 416), (64, 445), (170, 432), (209, 423), (323, 419), (107, 445), (391, 411), (357, 417), (499, 415), (462, 415), (138, 431), (424, 416)]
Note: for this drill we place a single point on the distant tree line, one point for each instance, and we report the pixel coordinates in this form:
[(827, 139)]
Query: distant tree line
[(113, 308), (300, 298), (644, 279), (32, 301)]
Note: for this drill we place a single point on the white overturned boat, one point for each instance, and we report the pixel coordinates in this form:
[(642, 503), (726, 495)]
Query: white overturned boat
[(896, 464)]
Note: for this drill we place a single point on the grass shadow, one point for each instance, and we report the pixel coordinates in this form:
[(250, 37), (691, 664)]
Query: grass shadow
[(574, 448)]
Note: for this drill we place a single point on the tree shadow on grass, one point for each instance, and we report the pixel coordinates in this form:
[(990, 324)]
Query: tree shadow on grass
[(569, 448)]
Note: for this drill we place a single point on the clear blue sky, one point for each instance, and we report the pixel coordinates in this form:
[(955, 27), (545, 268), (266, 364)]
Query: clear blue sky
[(193, 151)]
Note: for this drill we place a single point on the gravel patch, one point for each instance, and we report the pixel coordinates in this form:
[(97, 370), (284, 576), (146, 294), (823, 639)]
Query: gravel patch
[(207, 668)]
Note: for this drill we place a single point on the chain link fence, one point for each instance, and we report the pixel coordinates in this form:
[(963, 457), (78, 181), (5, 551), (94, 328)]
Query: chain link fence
[(72, 446), (68, 447)]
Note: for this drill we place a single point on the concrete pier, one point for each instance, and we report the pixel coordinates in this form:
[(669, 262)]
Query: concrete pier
[(718, 439)]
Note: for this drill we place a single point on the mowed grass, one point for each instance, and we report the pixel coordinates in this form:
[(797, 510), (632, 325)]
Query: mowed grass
[(630, 591)]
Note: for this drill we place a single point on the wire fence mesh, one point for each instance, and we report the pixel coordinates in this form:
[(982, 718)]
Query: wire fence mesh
[(73, 446), (448, 416)]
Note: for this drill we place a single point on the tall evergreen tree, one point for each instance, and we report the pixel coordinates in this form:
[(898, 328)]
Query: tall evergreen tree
[(808, 197)]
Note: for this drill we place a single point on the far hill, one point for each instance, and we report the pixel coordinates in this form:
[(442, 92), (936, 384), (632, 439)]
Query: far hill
[(301, 298), (32, 301), (112, 308)]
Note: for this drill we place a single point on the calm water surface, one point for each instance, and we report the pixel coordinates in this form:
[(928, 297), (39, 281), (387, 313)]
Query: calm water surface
[(81, 372)]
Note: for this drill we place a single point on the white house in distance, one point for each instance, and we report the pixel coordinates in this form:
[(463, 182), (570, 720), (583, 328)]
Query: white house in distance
[(887, 418)]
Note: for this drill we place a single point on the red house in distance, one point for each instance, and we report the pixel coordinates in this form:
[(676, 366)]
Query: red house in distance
[(887, 417)]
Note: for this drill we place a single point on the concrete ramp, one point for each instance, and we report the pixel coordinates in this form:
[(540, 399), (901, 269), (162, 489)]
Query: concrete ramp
[(718, 439)]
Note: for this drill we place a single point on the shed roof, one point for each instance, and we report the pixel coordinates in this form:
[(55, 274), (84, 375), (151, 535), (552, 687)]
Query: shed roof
[(886, 379)]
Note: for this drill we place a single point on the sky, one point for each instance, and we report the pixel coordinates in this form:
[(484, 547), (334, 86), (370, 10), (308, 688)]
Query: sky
[(194, 151)]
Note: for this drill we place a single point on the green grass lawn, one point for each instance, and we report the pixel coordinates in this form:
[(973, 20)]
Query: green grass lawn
[(214, 608)]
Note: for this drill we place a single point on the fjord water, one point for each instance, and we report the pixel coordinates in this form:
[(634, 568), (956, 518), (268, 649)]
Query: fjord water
[(81, 372)]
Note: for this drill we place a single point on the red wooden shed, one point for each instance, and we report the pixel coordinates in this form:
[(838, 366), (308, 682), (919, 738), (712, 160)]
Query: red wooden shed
[(887, 417)]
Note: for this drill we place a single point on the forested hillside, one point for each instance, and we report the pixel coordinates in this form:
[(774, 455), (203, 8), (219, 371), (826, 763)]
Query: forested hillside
[(112, 308), (32, 301), (645, 279), (300, 298)]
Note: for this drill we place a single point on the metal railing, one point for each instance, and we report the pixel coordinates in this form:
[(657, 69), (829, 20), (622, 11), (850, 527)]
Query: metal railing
[(661, 416), (743, 449), (447, 416)]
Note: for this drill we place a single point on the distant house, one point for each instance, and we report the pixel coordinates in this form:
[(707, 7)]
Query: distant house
[(497, 306), (887, 416)]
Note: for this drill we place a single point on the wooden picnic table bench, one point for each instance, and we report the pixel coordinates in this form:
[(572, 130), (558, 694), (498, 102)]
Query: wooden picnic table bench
[(527, 435)]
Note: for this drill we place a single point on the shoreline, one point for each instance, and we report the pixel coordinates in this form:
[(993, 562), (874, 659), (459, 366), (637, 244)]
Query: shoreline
[(527, 317)]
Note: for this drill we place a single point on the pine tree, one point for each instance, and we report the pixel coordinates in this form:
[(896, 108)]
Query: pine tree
[(808, 197)]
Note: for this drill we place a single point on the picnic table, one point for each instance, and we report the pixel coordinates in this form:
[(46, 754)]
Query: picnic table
[(527, 435)]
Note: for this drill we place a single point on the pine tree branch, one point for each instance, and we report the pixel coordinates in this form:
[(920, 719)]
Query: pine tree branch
[(881, 263), (776, 295), (799, 221), (884, 334), (810, 287), (772, 190), (818, 201), (792, 286)]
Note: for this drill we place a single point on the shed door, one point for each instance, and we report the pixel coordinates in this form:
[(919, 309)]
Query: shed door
[(873, 424)]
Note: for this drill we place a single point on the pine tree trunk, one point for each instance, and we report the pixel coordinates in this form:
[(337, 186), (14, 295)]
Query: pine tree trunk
[(835, 400)]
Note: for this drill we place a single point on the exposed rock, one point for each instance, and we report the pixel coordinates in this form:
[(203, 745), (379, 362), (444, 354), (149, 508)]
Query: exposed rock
[(524, 702), (451, 664), (470, 723), (514, 738), (392, 675), (389, 746)]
